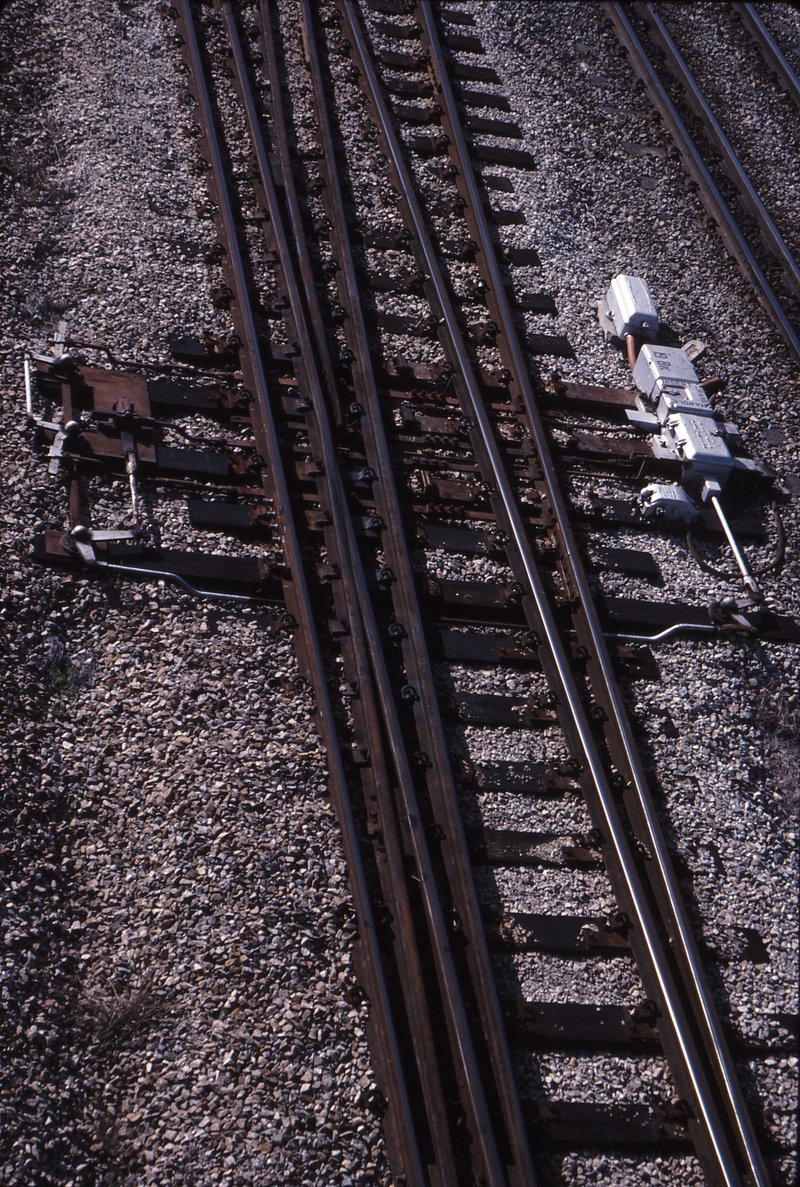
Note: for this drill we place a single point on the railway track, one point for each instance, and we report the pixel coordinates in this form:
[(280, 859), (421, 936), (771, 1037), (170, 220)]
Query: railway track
[(345, 460), (710, 159)]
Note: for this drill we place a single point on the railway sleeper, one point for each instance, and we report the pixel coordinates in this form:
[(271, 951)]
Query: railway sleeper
[(579, 935), (504, 605)]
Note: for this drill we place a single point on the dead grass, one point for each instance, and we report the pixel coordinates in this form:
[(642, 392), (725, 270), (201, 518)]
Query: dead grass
[(113, 1015), (779, 717)]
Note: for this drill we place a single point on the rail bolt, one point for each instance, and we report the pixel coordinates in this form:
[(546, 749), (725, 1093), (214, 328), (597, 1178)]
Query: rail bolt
[(618, 921), (646, 1011)]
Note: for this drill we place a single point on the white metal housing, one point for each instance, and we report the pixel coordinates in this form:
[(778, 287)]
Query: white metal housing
[(632, 307), (668, 503), (699, 442), (659, 367)]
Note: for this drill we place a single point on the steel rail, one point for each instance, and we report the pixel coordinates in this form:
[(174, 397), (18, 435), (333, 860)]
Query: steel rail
[(410, 969), (678, 925), (315, 365), (733, 167), (710, 196), (677, 919), (470, 1074), (660, 965), (418, 660), (297, 588), (769, 49), (353, 571)]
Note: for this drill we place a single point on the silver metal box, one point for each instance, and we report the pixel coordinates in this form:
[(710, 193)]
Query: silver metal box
[(659, 367), (632, 307), (668, 503), (699, 443), (691, 399)]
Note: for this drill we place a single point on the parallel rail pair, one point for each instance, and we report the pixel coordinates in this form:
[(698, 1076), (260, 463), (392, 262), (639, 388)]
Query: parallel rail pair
[(438, 1034), (742, 250)]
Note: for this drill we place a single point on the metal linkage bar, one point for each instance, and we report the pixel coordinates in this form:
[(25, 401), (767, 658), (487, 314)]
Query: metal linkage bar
[(712, 199), (741, 561), (733, 167), (688, 1063), (769, 50), (28, 390), (296, 588), (161, 575)]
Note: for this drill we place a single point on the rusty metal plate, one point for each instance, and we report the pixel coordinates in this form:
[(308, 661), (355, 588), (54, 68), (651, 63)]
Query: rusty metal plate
[(111, 388)]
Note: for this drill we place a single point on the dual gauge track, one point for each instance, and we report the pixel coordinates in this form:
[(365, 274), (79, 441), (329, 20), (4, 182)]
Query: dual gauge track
[(342, 463)]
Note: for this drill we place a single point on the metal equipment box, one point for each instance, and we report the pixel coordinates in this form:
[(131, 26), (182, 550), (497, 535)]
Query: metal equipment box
[(699, 442), (632, 307), (691, 399), (668, 503), (658, 367)]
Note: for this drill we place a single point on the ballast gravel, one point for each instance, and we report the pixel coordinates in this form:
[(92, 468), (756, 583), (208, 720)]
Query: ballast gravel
[(179, 1004), (179, 1000)]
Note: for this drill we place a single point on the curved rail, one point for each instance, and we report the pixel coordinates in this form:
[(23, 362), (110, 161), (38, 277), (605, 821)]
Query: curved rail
[(317, 374), (299, 598), (363, 619), (769, 50), (694, 986), (710, 196), (440, 779), (375, 689)]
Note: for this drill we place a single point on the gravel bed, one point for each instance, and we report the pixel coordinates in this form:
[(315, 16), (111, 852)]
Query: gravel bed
[(177, 930), (181, 1006)]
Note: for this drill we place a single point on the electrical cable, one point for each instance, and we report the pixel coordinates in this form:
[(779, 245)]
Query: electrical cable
[(772, 564)]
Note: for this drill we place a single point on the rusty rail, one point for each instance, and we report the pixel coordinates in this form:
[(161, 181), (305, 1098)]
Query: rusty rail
[(298, 598), (438, 1033)]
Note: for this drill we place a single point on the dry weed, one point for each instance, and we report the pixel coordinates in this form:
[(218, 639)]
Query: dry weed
[(779, 717), (115, 1015)]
